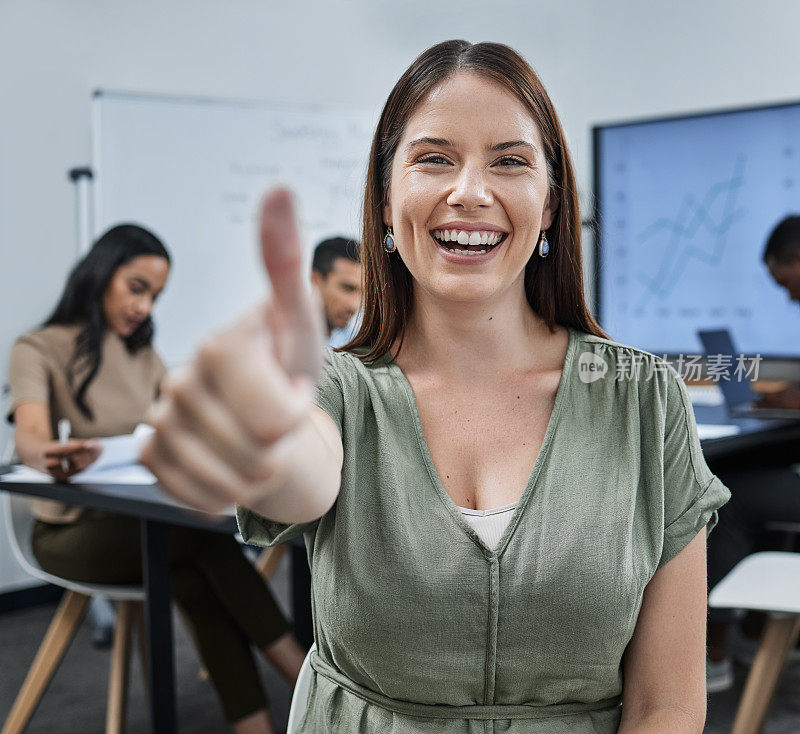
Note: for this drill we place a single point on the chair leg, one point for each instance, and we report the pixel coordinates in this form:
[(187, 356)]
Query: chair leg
[(56, 640), (780, 636), (269, 559), (137, 614), (120, 664)]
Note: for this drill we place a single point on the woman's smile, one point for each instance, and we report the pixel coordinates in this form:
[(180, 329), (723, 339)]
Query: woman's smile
[(472, 240), (463, 246)]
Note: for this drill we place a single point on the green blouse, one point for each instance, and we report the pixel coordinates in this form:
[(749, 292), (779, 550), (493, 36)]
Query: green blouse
[(420, 627)]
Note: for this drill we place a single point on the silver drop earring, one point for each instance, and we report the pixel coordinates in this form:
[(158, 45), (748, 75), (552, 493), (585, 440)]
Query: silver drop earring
[(388, 242), (544, 245)]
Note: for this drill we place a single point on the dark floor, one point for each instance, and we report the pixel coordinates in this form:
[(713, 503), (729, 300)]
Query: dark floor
[(68, 707)]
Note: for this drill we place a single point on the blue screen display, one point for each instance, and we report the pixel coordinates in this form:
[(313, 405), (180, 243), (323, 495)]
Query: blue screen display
[(685, 209)]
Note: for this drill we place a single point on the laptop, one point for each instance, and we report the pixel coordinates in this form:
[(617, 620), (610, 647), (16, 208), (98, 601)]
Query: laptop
[(737, 392)]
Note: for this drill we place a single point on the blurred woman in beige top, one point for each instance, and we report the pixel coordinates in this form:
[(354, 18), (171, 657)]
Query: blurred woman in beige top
[(93, 363), (42, 378)]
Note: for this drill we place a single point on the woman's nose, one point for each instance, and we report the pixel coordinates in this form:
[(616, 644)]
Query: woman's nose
[(144, 306), (470, 189)]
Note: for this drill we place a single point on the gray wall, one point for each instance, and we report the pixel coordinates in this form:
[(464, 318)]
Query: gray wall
[(601, 61)]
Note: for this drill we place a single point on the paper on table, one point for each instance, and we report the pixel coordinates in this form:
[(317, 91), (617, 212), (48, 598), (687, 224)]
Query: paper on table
[(705, 394), (118, 463), (121, 450), (133, 474), (22, 473), (709, 430)]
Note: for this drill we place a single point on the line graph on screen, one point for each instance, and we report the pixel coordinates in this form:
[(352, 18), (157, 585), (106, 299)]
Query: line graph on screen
[(696, 234)]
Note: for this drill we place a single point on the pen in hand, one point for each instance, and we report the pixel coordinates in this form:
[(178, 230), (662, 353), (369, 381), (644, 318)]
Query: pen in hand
[(64, 429)]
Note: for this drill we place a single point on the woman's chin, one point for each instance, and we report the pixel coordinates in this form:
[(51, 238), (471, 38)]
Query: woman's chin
[(464, 289), (123, 331)]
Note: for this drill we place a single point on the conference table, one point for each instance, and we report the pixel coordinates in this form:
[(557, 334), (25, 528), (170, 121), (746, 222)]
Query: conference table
[(756, 442), (752, 433), (158, 513)]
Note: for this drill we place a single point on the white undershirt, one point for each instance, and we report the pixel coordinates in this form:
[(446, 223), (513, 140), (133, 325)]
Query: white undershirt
[(489, 524)]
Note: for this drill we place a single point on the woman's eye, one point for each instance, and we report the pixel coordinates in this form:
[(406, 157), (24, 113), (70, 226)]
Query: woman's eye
[(137, 289), (435, 159), (511, 161)]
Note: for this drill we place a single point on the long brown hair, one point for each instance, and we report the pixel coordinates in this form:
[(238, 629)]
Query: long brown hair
[(553, 285)]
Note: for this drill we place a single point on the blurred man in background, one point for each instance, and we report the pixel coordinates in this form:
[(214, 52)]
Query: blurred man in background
[(336, 274), (782, 258)]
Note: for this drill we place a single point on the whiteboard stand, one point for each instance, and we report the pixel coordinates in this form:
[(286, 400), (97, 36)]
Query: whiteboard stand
[(82, 179), (101, 613)]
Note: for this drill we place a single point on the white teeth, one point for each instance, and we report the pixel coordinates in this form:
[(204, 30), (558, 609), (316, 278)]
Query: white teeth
[(470, 252), (472, 238)]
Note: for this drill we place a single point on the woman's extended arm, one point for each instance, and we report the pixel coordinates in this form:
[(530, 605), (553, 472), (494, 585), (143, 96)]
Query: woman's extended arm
[(238, 425), (664, 689), (35, 445)]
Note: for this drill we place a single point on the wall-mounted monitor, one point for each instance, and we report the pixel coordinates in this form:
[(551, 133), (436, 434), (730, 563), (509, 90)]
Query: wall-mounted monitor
[(684, 208)]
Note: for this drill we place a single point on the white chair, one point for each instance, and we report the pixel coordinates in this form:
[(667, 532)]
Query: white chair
[(769, 582), (19, 523), (300, 695)]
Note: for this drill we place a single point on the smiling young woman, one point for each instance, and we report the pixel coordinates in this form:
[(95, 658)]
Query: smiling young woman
[(553, 285), (499, 542)]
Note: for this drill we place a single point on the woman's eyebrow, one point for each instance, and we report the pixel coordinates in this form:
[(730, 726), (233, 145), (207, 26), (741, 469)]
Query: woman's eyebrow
[(443, 142), (512, 144), (426, 140)]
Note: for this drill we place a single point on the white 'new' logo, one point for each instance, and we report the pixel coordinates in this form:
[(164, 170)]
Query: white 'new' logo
[(591, 367)]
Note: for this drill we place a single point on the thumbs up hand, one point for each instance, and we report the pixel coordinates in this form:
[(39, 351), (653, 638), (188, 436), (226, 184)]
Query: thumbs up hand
[(237, 425), (293, 316)]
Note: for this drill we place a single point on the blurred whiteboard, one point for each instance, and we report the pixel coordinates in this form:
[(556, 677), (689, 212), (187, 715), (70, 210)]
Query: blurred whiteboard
[(193, 172)]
